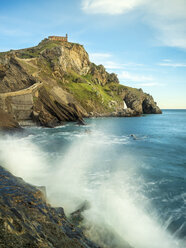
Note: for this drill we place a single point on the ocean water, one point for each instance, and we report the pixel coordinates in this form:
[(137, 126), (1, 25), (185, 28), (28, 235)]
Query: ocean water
[(135, 185)]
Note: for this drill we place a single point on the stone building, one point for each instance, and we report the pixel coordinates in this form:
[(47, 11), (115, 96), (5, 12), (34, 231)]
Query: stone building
[(59, 38)]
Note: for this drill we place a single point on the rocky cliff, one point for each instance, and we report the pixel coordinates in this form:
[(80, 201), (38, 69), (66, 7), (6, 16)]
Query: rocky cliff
[(55, 82), (27, 220), (7, 122)]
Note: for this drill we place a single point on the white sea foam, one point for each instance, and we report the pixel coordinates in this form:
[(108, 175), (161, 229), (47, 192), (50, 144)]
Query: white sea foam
[(117, 204)]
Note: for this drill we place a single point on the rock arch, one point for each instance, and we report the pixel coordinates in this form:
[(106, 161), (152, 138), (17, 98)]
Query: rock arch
[(146, 107), (124, 104)]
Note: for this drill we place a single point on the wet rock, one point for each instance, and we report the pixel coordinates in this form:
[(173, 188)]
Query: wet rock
[(133, 136), (26, 220), (76, 217), (102, 235)]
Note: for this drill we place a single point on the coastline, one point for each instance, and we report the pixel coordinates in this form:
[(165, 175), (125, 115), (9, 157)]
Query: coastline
[(67, 146), (27, 220)]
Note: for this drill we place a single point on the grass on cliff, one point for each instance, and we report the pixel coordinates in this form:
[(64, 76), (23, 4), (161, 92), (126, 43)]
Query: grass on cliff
[(34, 52), (119, 88), (91, 96)]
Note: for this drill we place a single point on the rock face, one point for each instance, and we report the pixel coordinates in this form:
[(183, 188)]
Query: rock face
[(68, 56), (143, 104), (26, 220), (7, 122), (101, 76), (49, 111), (55, 82), (13, 77)]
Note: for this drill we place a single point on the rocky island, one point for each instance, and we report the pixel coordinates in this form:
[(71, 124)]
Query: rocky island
[(55, 82)]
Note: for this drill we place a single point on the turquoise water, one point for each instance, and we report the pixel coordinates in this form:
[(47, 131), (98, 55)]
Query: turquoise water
[(135, 186)]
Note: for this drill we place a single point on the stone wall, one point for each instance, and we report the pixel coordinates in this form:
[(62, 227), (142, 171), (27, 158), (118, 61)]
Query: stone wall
[(58, 38), (20, 104)]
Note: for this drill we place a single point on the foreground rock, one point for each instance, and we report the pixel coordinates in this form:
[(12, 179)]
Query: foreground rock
[(104, 235), (7, 122), (55, 82), (50, 110), (26, 220)]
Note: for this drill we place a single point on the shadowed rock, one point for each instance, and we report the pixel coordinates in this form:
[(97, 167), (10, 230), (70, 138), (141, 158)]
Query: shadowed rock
[(7, 121), (26, 220)]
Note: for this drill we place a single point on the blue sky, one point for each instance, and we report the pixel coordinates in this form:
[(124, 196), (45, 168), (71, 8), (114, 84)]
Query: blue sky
[(143, 41)]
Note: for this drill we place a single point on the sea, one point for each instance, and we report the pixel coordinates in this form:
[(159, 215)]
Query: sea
[(129, 172)]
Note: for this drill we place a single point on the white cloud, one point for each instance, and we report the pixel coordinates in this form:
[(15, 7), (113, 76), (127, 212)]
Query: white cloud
[(99, 55), (138, 80), (107, 60), (169, 20), (167, 17), (112, 65), (104, 59), (99, 58), (172, 64), (166, 60), (124, 75), (133, 65), (148, 84), (111, 7), (133, 77)]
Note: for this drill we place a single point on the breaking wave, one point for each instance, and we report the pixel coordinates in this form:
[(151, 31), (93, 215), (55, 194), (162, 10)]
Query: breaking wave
[(91, 169)]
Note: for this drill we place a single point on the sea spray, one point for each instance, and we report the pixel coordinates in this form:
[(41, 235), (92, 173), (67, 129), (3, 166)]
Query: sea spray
[(89, 170), (23, 158)]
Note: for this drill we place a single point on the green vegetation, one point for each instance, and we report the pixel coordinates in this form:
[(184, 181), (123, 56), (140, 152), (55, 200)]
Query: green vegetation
[(90, 95), (88, 77), (136, 92), (118, 88), (57, 68), (34, 52)]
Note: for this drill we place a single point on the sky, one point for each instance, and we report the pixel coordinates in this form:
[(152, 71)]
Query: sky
[(142, 41)]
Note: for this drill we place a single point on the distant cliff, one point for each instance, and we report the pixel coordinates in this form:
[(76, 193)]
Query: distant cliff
[(55, 82)]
